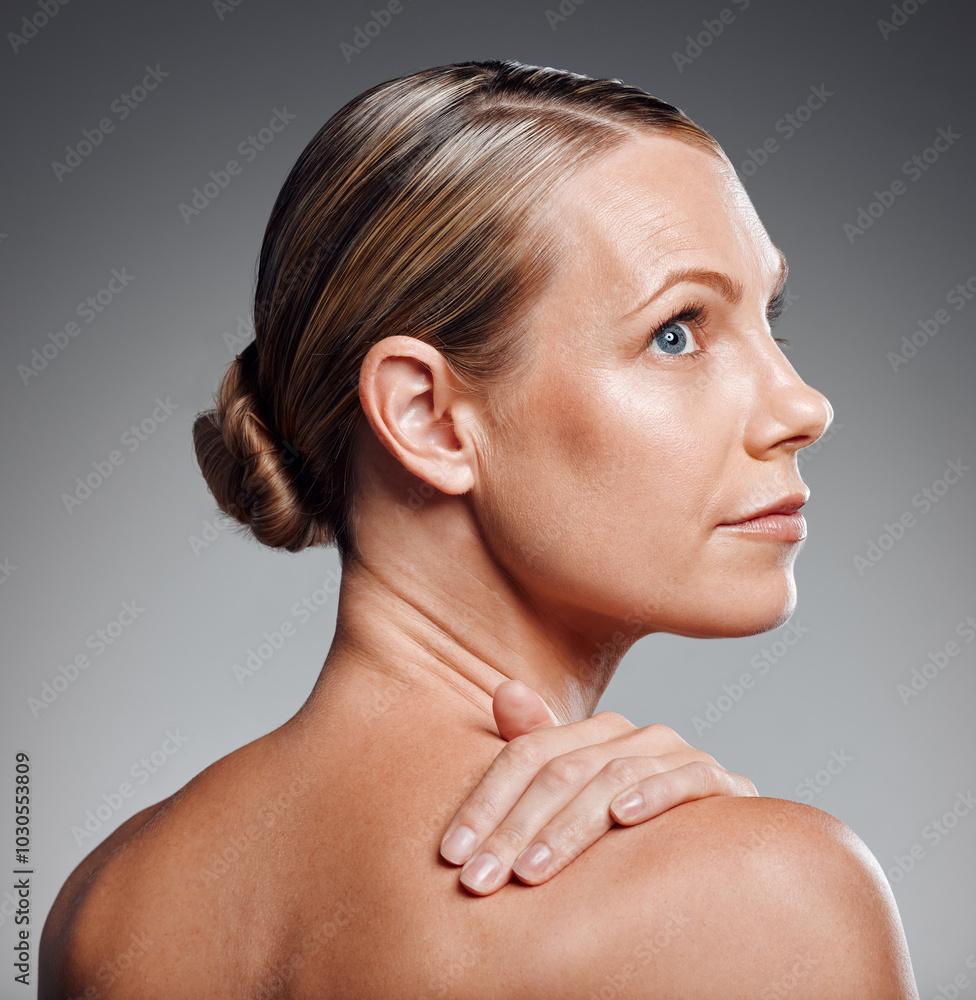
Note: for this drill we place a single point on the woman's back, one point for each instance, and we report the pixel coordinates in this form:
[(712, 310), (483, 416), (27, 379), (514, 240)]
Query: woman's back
[(306, 865)]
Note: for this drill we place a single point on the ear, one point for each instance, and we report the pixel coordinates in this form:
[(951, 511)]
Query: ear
[(421, 412)]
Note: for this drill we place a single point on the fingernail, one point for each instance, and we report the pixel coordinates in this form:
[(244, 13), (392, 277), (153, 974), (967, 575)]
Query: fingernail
[(458, 846), (533, 860), (628, 805), (482, 872)]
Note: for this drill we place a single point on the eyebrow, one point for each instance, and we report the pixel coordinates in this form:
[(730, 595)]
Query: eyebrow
[(724, 284)]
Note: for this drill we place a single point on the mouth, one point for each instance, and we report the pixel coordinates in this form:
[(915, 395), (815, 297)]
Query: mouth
[(780, 520)]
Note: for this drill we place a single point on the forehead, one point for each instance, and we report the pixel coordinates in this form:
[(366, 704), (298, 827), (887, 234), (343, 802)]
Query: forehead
[(655, 204)]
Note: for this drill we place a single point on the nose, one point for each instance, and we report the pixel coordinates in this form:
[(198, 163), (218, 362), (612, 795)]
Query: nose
[(788, 414)]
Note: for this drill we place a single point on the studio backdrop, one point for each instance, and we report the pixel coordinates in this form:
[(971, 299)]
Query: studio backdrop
[(143, 638)]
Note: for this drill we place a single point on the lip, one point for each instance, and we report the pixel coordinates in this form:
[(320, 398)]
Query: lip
[(779, 520)]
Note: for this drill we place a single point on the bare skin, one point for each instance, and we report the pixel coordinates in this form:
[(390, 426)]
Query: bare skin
[(306, 864)]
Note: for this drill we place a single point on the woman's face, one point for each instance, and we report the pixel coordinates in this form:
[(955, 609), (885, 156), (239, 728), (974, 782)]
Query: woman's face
[(627, 450)]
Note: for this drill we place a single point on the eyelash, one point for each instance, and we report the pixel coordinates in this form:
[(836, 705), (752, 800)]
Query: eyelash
[(694, 311)]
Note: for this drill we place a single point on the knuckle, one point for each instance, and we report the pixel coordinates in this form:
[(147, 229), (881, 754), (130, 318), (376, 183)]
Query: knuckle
[(567, 770), (573, 835), (624, 771), (616, 720), (660, 730), (528, 751), (703, 775), (481, 809), (662, 737), (511, 838)]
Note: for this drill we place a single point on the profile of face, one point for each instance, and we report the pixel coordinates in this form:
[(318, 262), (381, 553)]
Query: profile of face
[(633, 442)]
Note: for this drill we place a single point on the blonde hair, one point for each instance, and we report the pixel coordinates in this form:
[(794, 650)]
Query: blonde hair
[(416, 209)]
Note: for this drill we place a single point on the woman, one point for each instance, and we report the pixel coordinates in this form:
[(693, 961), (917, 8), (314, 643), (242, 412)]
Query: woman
[(513, 357)]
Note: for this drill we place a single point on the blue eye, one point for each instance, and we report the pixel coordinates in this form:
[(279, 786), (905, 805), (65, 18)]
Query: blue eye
[(672, 339), (674, 335)]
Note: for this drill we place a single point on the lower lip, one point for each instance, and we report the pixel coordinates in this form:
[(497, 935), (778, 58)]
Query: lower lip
[(782, 527)]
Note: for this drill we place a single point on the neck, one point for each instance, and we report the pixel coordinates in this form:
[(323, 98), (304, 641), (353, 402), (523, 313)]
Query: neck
[(424, 608)]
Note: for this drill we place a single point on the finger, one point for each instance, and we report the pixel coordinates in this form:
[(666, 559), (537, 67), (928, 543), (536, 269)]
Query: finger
[(518, 763), (587, 817), (519, 710), (511, 772), (569, 800), (660, 792)]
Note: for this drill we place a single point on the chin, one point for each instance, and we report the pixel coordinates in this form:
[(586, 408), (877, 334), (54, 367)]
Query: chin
[(740, 609), (768, 608)]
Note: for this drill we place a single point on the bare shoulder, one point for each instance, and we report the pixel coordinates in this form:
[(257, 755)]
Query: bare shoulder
[(59, 968), (778, 899), (124, 923), (721, 897)]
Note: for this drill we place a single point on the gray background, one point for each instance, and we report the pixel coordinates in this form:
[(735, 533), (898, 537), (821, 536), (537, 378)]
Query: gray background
[(168, 333)]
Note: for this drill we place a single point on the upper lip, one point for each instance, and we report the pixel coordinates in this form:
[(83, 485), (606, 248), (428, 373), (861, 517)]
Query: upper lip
[(786, 505)]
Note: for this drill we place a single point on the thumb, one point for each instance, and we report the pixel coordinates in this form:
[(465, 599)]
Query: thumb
[(518, 710)]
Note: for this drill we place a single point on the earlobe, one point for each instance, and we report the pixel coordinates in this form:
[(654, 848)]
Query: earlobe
[(415, 406)]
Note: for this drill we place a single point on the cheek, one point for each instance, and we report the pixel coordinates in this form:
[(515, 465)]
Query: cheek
[(648, 456), (528, 502), (599, 498), (603, 498)]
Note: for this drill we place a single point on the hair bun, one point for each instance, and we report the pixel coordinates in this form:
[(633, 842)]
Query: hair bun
[(252, 476)]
